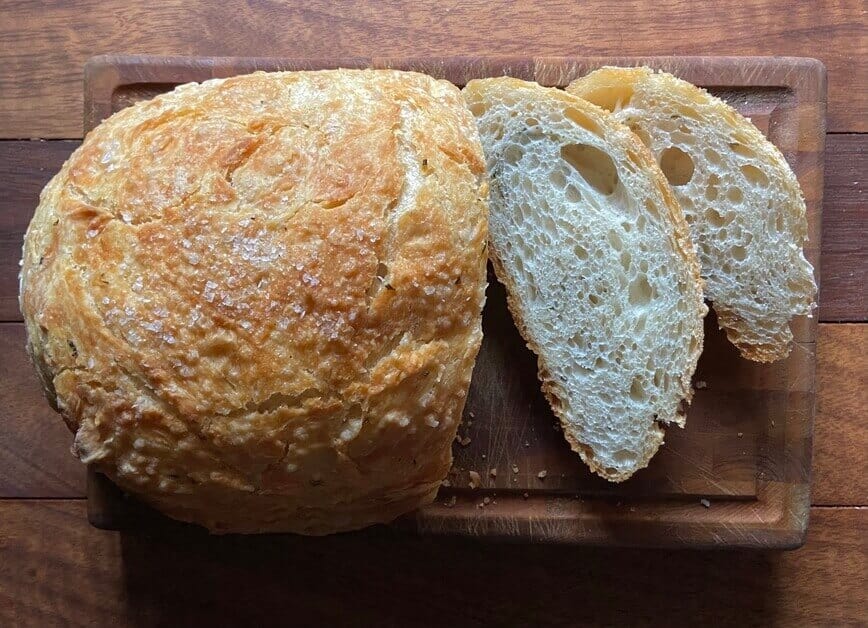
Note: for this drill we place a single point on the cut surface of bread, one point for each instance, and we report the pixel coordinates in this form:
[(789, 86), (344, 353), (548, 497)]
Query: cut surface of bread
[(742, 201), (601, 277)]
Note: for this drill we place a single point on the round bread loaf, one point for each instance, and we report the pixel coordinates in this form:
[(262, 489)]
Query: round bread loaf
[(257, 301)]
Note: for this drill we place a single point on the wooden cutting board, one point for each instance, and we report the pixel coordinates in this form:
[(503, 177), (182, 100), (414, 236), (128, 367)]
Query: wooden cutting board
[(738, 475)]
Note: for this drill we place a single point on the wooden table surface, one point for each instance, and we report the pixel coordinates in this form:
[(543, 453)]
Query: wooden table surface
[(57, 570)]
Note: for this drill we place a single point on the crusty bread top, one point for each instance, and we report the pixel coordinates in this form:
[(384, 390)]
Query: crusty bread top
[(601, 276), (743, 202), (256, 301)]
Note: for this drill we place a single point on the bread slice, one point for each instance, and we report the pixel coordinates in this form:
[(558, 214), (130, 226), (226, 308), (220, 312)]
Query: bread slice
[(743, 202), (601, 276)]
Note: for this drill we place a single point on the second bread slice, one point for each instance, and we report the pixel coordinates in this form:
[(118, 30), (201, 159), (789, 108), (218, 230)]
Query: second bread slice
[(602, 279), (742, 201)]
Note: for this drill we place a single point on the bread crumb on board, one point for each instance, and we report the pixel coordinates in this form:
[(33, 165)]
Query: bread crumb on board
[(701, 383), (475, 480), (449, 503), (515, 468), (705, 502), (493, 472), (542, 474)]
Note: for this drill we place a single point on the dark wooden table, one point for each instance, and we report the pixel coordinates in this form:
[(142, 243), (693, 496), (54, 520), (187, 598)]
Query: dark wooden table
[(57, 570)]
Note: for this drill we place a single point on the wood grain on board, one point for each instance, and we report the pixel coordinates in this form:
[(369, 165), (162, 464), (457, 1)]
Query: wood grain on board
[(26, 166), (54, 42), (35, 457), (56, 569), (841, 428), (844, 296)]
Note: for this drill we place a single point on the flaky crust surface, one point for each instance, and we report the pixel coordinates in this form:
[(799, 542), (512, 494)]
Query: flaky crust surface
[(256, 301)]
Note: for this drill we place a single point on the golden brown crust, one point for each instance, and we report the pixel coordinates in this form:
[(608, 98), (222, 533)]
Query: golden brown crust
[(257, 300), (551, 388)]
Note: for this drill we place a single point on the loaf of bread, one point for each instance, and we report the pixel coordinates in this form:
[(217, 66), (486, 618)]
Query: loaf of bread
[(601, 277), (257, 301), (742, 201)]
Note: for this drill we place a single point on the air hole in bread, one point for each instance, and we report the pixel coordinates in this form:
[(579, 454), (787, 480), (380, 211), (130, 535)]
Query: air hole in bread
[(534, 292), (594, 299), (714, 217), (741, 149), (580, 251), (594, 166), (734, 195), (531, 121), (755, 176), (640, 290), (677, 166), (626, 260), (513, 154), (558, 179), (478, 109), (615, 240), (711, 187), (572, 194), (795, 285), (739, 253), (611, 98), (584, 121), (689, 112), (624, 456), (637, 392), (712, 157), (643, 136)]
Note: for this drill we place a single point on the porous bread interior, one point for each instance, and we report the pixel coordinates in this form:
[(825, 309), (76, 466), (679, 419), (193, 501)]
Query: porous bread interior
[(740, 197), (257, 301), (600, 275)]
